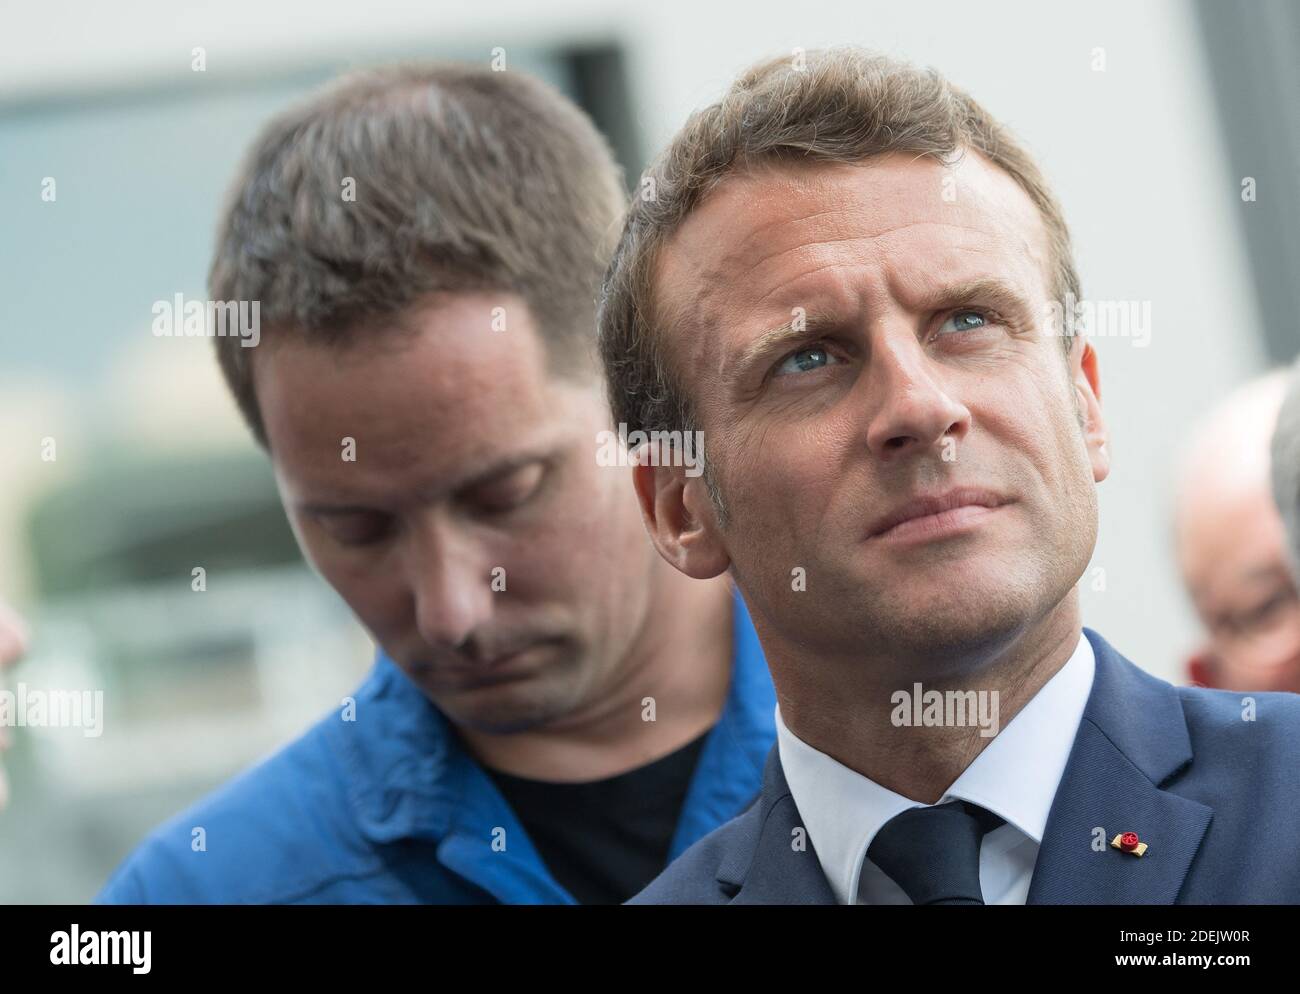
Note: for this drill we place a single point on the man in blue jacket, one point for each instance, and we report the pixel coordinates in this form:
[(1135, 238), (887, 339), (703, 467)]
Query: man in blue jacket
[(856, 283), (555, 712)]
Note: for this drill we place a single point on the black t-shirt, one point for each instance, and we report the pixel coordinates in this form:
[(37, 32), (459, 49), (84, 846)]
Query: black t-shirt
[(604, 840)]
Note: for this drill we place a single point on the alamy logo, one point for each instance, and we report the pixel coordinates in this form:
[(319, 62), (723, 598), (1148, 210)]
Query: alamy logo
[(33, 708), (947, 709), (666, 448), (1100, 319), (78, 948), (181, 318)]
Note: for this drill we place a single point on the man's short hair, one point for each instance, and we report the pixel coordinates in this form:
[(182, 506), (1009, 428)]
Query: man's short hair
[(465, 179), (1285, 459), (841, 105)]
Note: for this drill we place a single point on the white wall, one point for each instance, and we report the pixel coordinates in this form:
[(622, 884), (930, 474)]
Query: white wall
[(1133, 152)]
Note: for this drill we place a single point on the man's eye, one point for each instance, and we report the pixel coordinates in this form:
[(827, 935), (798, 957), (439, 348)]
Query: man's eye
[(510, 491), (356, 528), (805, 361), (963, 321), (1268, 611)]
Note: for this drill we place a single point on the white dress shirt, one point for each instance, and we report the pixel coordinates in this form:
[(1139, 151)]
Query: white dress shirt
[(1015, 776)]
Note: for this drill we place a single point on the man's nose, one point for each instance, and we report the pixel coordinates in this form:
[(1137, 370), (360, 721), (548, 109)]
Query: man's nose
[(910, 412), (451, 583)]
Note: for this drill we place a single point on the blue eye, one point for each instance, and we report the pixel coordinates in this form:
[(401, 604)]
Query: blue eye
[(805, 361), (962, 321)]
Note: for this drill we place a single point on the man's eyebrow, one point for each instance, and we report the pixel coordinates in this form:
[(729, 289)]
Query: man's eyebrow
[(798, 329), (478, 478), (323, 509), (502, 468), (1269, 573), (1268, 576), (991, 291)]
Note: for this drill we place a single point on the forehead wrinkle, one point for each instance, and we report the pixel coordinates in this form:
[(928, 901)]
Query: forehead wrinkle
[(873, 237), (888, 258), (1001, 200), (804, 275), (741, 250)]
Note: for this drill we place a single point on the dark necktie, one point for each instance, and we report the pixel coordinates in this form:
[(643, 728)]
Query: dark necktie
[(934, 853)]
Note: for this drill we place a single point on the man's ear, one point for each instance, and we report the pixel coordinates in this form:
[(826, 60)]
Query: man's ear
[(1087, 385), (679, 517)]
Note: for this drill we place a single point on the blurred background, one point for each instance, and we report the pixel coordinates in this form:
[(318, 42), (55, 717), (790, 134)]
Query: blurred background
[(125, 465)]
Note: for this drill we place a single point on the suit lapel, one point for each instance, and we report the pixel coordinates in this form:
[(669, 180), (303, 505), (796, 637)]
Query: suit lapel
[(763, 865), (1132, 739)]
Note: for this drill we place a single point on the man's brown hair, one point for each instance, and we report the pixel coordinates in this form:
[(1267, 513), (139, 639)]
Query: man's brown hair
[(465, 179), (840, 105)]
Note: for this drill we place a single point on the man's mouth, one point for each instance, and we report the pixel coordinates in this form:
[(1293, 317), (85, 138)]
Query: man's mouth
[(936, 515), (503, 665)]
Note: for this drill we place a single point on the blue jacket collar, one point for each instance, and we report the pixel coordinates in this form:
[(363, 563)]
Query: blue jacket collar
[(409, 778), (730, 767), (402, 765)]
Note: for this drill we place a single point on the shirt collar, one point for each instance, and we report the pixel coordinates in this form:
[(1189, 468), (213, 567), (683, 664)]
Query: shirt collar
[(843, 810)]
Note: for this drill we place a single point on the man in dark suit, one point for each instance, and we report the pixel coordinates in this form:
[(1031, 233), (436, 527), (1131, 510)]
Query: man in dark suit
[(858, 287)]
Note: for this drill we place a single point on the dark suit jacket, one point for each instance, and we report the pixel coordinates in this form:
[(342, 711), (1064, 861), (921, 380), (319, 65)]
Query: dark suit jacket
[(1216, 797)]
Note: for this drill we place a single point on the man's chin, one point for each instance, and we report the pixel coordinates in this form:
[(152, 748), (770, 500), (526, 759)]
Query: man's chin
[(954, 620), (958, 637), (502, 708)]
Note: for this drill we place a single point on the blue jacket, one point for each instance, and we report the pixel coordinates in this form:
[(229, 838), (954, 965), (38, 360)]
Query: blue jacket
[(1216, 797), (389, 809)]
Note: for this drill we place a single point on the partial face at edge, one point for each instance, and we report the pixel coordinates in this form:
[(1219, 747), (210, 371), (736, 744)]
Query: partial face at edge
[(13, 643), (923, 366), (1234, 561), (474, 464)]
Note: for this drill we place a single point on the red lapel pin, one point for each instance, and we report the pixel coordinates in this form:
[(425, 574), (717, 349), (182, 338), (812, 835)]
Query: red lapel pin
[(1130, 843)]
